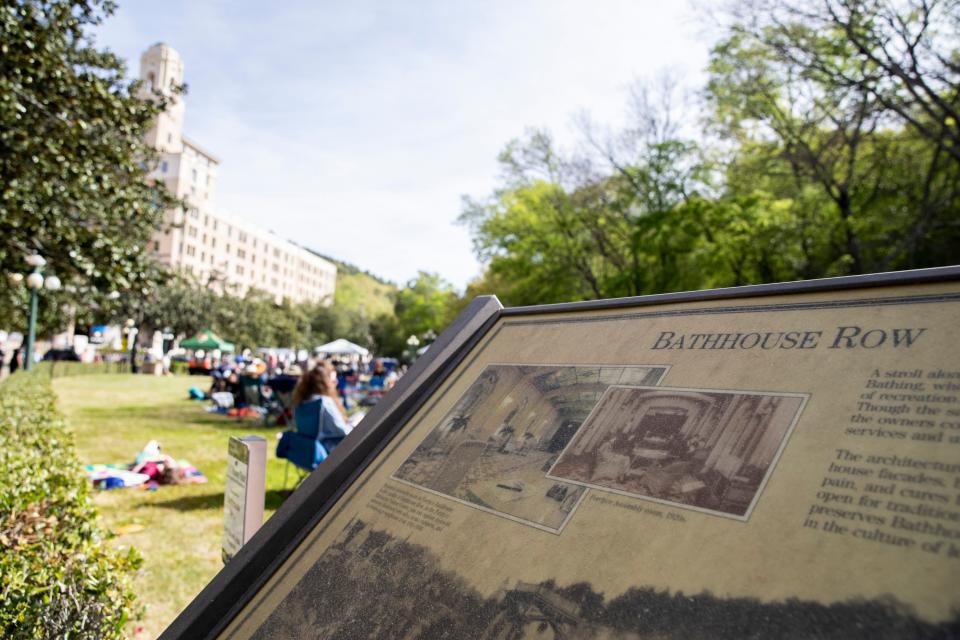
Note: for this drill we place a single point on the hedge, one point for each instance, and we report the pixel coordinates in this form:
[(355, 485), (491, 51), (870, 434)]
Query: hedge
[(58, 579), (67, 368)]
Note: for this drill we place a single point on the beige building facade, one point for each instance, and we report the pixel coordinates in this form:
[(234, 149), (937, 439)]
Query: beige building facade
[(214, 249)]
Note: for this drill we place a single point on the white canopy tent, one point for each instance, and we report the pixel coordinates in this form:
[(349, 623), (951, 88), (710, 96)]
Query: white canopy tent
[(341, 347)]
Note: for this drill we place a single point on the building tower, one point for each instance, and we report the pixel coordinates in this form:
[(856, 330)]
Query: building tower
[(161, 70), (216, 251)]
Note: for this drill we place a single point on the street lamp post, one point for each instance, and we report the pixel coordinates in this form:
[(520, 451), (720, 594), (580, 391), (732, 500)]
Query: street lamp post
[(412, 343), (130, 326), (35, 282)]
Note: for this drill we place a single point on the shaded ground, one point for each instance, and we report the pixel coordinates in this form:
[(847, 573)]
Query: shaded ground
[(112, 417)]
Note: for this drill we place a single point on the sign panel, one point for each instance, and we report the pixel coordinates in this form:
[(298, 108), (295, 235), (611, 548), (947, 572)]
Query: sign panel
[(696, 466), (243, 495)]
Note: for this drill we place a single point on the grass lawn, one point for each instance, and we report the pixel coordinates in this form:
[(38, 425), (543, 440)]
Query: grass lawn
[(113, 417)]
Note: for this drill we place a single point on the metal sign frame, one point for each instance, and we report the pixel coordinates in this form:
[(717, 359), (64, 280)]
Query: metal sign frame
[(237, 583)]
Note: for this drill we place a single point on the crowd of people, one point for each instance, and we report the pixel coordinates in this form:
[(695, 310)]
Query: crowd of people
[(251, 381), (320, 401)]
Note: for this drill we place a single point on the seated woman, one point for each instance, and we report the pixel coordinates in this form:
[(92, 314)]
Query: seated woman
[(317, 411)]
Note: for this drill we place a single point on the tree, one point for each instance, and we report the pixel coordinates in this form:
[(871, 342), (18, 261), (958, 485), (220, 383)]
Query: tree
[(603, 223), (179, 305), (389, 338), (818, 128), (73, 162), (804, 86), (534, 245), (904, 55), (423, 306)]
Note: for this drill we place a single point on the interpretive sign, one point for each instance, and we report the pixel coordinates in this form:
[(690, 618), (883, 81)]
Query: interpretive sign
[(243, 495), (771, 461)]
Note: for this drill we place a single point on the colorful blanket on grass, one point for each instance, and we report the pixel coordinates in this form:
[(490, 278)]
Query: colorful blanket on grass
[(119, 476)]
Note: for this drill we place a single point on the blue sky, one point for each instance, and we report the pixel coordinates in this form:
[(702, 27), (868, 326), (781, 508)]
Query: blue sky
[(355, 127)]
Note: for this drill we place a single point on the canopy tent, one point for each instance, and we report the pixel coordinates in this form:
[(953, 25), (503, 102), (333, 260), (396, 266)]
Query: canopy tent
[(208, 340), (341, 347)]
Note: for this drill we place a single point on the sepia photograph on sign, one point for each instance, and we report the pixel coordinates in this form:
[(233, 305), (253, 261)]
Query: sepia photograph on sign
[(698, 448), (493, 448), (374, 584)]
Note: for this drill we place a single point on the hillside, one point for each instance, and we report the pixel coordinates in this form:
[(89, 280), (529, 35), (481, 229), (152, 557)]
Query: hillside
[(356, 287)]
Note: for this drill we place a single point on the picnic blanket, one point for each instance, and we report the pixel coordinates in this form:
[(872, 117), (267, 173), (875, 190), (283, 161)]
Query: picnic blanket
[(149, 469)]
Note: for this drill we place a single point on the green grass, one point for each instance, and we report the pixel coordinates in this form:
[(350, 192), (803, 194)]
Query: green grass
[(113, 417)]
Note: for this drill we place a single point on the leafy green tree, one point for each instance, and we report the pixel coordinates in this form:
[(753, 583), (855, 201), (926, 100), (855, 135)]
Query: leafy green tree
[(534, 245), (818, 128), (328, 323), (388, 336), (901, 55), (566, 228), (423, 307), (838, 91), (73, 162), (179, 305)]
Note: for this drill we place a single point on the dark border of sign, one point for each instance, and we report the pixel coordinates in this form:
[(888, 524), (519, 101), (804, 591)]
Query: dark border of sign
[(239, 581)]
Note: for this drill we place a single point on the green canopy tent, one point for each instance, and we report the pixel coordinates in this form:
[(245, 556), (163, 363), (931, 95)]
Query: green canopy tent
[(207, 340)]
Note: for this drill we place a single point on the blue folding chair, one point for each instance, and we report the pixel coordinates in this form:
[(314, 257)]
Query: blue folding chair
[(315, 435)]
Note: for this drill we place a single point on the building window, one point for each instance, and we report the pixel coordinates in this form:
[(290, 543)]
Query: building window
[(164, 166), (240, 269), (193, 191), (228, 247), (170, 138), (241, 253), (213, 242), (242, 236), (193, 174), (214, 225), (229, 231), (208, 180), (203, 256), (156, 246)]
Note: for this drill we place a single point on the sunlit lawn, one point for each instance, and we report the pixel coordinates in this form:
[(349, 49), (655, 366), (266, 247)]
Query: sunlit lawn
[(113, 417)]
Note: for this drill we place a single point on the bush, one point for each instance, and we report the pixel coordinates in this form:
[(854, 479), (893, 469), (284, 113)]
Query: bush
[(57, 577), (66, 368)]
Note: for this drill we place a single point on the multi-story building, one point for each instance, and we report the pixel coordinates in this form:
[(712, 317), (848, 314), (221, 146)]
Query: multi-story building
[(216, 250)]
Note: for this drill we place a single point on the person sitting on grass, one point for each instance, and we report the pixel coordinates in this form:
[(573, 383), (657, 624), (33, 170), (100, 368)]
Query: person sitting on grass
[(320, 384)]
